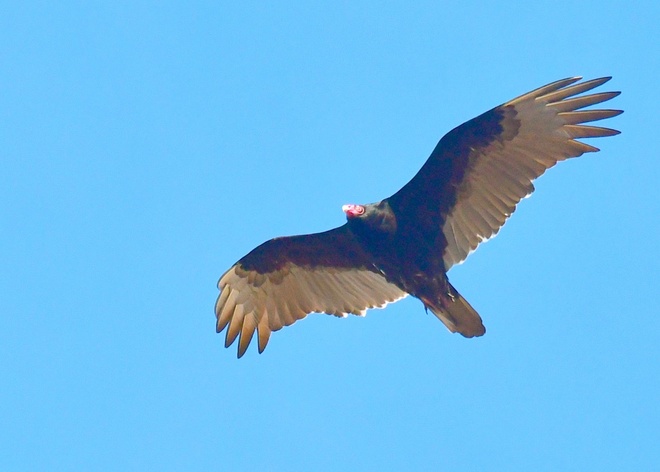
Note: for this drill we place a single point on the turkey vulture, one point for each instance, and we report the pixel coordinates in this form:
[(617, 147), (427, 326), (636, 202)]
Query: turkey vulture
[(405, 244)]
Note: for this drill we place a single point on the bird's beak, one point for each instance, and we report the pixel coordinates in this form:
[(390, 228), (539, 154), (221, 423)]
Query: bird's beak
[(352, 210)]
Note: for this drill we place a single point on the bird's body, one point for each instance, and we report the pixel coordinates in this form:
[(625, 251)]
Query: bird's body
[(405, 244), (407, 252)]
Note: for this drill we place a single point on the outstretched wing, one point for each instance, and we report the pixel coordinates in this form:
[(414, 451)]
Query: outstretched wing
[(284, 279), (479, 171)]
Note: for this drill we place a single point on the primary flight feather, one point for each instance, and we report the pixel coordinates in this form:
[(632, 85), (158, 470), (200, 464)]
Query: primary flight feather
[(405, 244)]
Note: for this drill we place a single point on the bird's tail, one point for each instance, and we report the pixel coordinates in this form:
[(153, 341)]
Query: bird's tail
[(456, 313)]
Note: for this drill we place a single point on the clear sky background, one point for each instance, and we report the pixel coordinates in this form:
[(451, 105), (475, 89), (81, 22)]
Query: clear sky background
[(146, 146)]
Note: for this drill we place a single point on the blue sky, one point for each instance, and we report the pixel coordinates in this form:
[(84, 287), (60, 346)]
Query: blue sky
[(146, 146)]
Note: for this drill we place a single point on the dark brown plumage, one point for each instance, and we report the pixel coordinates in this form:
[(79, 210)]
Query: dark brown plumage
[(405, 244)]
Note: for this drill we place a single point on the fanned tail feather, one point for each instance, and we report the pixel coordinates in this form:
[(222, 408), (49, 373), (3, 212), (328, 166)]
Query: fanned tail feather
[(456, 313)]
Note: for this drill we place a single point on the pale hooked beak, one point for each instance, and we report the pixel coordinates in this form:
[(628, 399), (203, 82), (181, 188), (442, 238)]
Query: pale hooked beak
[(352, 210)]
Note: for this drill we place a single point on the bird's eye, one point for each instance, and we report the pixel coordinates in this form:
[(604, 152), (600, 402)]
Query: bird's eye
[(353, 210)]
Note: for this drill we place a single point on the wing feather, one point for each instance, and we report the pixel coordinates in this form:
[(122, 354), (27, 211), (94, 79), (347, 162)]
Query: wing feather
[(247, 332), (536, 130), (584, 116), (285, 279), (583, 131), (263, 331), (565, 92), (581, 102), (234, 325)]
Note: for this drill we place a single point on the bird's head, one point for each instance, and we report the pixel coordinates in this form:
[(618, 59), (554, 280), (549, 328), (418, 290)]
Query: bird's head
[(353, 211), (374, 217)]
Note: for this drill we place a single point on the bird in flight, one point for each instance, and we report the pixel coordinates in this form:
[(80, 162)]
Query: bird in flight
[(406, 243)]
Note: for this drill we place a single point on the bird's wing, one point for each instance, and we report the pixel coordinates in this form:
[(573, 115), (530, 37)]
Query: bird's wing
[(479, 171), (284, 279)]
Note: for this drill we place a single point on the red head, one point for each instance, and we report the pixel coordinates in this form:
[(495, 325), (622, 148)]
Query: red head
[(352, 210)]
